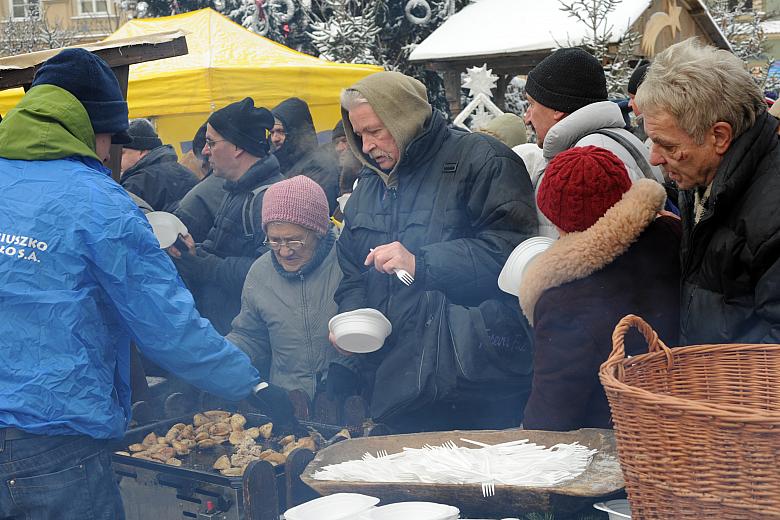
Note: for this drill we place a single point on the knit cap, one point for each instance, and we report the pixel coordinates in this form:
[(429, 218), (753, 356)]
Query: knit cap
[(142, 135), (244, 125), (637, 77), (567, 80), (580, 185), (297, 200), (93, 83)]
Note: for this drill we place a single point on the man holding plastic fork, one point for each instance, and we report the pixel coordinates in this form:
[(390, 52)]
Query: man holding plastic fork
[(446, 207)]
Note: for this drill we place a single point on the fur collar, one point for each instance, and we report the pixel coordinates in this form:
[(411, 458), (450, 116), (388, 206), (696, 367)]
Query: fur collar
[(578, 255)]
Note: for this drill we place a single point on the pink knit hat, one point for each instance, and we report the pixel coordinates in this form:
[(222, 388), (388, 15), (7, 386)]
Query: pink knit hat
[(298, 200)]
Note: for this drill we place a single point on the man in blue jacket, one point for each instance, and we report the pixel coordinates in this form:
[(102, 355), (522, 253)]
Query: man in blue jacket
[(81, 274)]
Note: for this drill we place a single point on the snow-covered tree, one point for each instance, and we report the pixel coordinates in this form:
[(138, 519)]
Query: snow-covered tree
[(741, 25), (347, 31), (617, 61), (35, 32)]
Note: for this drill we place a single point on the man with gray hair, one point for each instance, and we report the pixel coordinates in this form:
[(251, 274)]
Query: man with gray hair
[(712, 135), (448, 207)]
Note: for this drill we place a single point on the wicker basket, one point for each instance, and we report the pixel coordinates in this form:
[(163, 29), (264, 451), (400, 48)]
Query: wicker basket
[(697, 428)]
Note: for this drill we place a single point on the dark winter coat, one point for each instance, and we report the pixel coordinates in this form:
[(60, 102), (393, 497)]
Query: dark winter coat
[(488, 210), (199, 207), (322, 166), (159, 179), (216, 274), (731, 258), (578, 290)]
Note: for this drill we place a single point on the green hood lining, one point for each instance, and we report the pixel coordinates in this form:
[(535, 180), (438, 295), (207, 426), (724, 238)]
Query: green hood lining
[(48, 123)]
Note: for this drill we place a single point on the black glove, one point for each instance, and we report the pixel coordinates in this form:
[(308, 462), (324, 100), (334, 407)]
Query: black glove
[(274, 402), (341, 382)]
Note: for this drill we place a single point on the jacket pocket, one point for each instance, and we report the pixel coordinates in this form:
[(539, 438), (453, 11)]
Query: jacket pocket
[(64, 494)]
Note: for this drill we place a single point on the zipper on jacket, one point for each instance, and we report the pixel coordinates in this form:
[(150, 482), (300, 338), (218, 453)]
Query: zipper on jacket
[(307, 330), (393, 194)]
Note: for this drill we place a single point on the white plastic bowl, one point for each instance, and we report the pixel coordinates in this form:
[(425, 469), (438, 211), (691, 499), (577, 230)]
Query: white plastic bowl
[(166, 226), (512, 274), (341, 506), (412, 511), (617, 509), (360, 331)]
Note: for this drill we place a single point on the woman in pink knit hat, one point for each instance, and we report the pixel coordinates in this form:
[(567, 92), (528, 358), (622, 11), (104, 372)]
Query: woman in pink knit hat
[(617, 255), (288, 294)]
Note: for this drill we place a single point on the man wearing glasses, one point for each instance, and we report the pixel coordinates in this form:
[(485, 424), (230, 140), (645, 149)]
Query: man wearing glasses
[(238, 150)]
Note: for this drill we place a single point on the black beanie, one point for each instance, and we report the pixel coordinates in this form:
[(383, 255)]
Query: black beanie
[(567, 80), (199, 141), (93, 83), (338, 131), (142, 135), (244, 125), (637, 77)]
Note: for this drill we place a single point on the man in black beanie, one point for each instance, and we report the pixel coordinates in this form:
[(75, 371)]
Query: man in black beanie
[(238, 151), (568, 107), (151, 170)]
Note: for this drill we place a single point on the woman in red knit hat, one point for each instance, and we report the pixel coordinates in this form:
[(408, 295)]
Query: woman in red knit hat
[(617, 255)]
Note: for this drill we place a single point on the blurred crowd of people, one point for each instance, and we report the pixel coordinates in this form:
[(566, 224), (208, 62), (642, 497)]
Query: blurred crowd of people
[(674, 221)]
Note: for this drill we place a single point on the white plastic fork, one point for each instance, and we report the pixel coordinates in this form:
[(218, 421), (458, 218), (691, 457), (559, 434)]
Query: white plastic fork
[(381, 453), (488, 488), (404, 276)]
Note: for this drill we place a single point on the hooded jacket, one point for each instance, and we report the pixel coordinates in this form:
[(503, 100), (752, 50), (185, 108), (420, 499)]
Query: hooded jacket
[(81, 273), (159, 179), (486, 210), (301, 154), (217, 272), (731, 258), (575, 293), (577, 129)]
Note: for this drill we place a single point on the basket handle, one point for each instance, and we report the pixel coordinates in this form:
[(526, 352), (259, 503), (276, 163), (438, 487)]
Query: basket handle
[(654, 343)]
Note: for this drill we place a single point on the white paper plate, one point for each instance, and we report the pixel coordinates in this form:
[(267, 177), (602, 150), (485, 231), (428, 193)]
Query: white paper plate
[(341, 506), (166, 226), (512, 274)]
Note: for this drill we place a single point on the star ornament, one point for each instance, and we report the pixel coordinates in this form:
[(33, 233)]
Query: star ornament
[(480, 80)]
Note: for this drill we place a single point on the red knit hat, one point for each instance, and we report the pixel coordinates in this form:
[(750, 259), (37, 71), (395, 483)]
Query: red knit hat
[(580, 185), (298, 200)]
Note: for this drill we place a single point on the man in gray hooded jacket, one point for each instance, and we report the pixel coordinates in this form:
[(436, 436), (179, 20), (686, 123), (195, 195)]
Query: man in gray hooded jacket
[(447, 207)]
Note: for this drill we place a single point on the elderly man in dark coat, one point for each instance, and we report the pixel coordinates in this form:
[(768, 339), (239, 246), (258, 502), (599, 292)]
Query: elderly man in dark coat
[(151, 170), (712, 135), (448, 207)]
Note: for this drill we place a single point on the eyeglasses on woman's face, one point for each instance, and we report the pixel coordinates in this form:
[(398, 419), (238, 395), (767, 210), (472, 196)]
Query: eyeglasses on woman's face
[(292, 245)]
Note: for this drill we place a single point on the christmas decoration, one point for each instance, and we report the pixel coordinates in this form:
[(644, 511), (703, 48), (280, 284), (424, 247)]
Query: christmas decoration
[(411, 5), (480, 80)]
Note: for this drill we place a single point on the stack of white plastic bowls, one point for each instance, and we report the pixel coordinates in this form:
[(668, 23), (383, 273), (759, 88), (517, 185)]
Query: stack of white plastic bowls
[(412, 511), (360, 331), (341, 506)]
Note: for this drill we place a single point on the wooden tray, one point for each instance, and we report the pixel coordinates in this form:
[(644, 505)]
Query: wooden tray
[(601, 480)]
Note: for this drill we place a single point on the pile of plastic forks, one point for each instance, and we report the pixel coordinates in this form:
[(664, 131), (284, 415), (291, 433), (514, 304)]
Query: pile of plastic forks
[(515, 463)]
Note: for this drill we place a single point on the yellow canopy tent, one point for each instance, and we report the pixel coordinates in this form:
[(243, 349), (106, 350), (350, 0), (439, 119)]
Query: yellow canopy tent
[(225, 63)]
